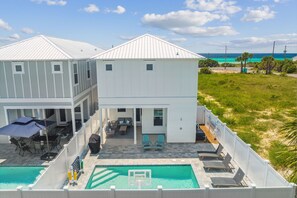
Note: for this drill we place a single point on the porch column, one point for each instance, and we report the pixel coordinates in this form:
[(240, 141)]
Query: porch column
[(135, 126), (100, 124), (82, 112), (73, 121), (106, 115)]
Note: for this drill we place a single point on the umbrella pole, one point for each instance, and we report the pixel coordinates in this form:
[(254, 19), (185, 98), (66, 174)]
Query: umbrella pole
[(46, 136)]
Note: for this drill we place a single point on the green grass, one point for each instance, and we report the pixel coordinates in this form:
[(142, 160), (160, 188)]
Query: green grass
[(253, 105)]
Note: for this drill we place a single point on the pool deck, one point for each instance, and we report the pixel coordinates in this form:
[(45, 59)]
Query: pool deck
[(120, 151)]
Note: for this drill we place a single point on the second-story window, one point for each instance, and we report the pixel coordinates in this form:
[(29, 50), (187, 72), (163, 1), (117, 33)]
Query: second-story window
[(18, 68), (149, 67), (56, 67), (75, 72), (108, 67), (88, 70)]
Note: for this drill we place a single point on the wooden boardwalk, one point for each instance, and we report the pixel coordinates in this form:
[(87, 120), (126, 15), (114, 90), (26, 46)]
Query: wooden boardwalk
[(211, 138)]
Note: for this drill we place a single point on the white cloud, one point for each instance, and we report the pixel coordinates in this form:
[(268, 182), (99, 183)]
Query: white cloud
[(187, 22), (91, 8), (14, 37), (51, 2), (127, 38), (177, 40), (4, 25), (27, 30), (220, 6), (10, 38), (120, 10), (258, 14)]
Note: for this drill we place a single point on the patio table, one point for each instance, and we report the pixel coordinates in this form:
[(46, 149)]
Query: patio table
[(123, 130)]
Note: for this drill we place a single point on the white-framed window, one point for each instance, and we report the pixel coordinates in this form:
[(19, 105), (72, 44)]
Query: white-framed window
[(88, 70), (108, 67), (75, 73), (57, 67), (149, 67), (121, 110), (158, 117), (18, 68)]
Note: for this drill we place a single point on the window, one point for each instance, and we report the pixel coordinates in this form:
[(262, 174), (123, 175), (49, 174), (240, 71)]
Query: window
[(49, 112), (18, 68), (158, 117), (56, 67), (75, 72), (88, 70), (108, 67), (77, 109), (122, 110), (149, 67)]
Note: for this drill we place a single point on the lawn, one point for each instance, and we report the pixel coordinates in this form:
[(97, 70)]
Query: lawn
[(253, 105)]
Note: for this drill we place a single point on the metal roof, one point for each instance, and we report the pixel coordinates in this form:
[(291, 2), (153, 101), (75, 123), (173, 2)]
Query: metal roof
[(47, 48), (147, 47)]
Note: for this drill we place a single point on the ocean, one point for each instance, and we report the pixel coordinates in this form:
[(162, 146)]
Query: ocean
[(220, 57)]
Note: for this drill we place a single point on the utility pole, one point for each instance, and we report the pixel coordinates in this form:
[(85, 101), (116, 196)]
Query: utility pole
[(273, 49), (285, 52)]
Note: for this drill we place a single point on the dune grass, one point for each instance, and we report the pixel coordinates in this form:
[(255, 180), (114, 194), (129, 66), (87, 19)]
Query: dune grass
[(253, 105)]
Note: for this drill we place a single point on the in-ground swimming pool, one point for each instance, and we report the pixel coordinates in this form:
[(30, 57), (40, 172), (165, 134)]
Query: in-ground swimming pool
[(12, 177), (169, 176)]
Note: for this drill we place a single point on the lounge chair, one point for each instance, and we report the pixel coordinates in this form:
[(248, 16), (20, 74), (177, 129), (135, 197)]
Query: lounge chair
[(146, 142), (15, 142), (215, 154), (227, 181), (159, 144), (24, 147), (218, 164)]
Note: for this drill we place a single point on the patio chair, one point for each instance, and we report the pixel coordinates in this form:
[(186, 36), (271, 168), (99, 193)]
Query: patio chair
[(23, 148), (56, 143), (15, 142), (159, 144), (146, 142), (218, 164), (227, 181), (216, 154)]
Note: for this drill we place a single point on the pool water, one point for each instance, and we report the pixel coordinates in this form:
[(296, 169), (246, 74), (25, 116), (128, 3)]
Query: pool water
[(169, 176), (12, 177)]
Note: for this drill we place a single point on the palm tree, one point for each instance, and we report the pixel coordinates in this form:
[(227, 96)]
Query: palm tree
[(268, 63), (245, 56), (240, 59)]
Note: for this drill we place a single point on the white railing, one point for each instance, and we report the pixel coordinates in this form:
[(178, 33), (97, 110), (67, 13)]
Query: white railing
[(55, 175), (256, 168), (248, 192)]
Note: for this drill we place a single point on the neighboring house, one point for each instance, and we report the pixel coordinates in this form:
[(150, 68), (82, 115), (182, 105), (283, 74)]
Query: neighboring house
[(152, 81), (47, 77), (294, 58)]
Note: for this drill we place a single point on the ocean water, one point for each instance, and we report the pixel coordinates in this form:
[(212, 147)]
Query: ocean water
[(169, 176), (230, 58)]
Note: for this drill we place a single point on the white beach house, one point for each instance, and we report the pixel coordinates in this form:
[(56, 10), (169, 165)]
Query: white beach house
[(152, 81), (47, 77)]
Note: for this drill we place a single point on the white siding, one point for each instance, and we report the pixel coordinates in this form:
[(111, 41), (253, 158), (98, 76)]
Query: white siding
[(148, 122)]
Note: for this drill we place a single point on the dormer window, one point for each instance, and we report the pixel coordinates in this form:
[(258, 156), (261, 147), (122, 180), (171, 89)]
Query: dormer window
[(108, 67), (56, 67), (18, 68), (149, 67)]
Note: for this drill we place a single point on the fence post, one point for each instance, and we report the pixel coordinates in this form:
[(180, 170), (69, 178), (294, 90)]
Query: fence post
[(253, 191), (20, 191), (112, 192), (234, 146), (293, 192), (248, 158), (160, 191), (76, 143), (30, 187), (66, 156), (266, 172), (206, 191), (204, 110), (66, 191), (91, 124), (85, 135), (224, 138)]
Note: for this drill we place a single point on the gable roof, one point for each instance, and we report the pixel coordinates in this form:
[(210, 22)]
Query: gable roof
[(47, 48), (147, 47)]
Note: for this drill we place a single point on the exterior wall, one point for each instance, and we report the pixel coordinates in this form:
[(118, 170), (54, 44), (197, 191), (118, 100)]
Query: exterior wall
[(171, 85), (114, 114), (37, 81), (148, 122)]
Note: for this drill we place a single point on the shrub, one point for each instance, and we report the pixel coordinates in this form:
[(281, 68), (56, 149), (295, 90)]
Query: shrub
[(228, 65), (291, 69), (208, 63), (205, 70)]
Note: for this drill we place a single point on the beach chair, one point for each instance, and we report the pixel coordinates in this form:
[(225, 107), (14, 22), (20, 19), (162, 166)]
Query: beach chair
[(146, 142), (216, 154), (227, 181), (159, 144), (218, 164)]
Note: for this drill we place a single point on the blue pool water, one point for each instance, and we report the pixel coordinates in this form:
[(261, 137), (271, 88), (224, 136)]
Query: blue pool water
[(12, 177), (169, 176)]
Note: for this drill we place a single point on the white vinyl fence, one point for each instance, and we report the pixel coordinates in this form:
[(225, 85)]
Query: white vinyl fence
[(55, 175)]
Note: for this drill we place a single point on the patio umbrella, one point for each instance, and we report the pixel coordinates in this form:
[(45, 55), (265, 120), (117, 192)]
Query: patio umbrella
[(26, 127)]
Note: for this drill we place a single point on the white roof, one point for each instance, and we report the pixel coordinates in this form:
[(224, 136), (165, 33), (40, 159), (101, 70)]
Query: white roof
[(47, 48), (147, 47)]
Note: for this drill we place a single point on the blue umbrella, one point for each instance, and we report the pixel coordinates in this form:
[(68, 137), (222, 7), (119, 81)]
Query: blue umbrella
[(22, 127)]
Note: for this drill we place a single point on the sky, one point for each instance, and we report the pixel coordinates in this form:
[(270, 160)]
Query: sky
[(203, 26)]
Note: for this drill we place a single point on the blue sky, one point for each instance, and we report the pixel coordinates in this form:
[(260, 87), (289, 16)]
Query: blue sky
[(204, 26)]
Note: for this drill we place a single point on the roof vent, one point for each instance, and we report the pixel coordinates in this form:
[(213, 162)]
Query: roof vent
[(177, 54)]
